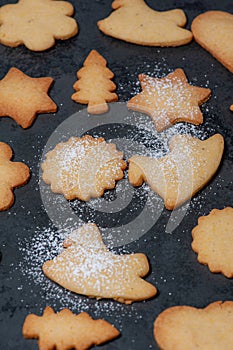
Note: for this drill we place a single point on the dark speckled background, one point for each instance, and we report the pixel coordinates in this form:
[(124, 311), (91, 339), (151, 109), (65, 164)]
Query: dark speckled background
[(175, 271)]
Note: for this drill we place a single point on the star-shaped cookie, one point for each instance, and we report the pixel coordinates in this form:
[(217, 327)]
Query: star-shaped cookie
[(23, 97), (169, 100)]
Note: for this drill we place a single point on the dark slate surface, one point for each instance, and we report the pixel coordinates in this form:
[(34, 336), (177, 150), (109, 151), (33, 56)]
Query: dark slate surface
[(174, 268)]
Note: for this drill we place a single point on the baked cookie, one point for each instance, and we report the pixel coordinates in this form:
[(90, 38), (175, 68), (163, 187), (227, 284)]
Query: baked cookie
[(87, 267), (94, 86), (12, 174), (23, 97), (135, 22), (83, 168), (213, 31), (186, 327), (169, 100), (36, 24), (65, 330), (213, 241), (180, 174)]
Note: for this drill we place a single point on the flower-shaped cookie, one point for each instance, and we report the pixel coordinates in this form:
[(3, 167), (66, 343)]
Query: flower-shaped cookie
[(83, 167), (36, 23), (12, 174), (213, 241)]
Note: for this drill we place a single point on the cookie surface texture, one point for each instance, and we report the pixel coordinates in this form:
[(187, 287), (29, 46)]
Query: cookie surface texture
[(213, 241), (23, 97), (83, 167), (190, 328), (87, 267), (36, 24), (180, 174), (133, 21), (65, 330), (213, 31), (94, 86), (12, 174), (169, 100)]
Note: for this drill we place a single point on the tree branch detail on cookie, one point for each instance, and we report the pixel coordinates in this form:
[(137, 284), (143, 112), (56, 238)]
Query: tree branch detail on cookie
[(65, 330), (169, 100), (94, 86)]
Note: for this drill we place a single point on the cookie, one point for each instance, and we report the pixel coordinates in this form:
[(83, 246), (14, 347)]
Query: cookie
[(12, 174), (87, 267), (135, 22), (169, 100), (94, 86), (36, 24), (186, 327), (185, 170), (83, 168), (23, 97), (213, 241), (213, 31), (65, 330)]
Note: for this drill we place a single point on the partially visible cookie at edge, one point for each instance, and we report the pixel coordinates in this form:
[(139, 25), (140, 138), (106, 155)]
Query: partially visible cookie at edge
[(37, 23), (65, 330), (186, 327), (12, 175), (213, 241), (213, 31)]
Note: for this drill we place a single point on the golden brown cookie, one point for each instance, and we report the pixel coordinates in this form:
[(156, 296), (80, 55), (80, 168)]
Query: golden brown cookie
[(23, 97), (213, 241), (190, 328), (94, 86), (65, 330), (12, 174), (36, 24), (180, 174), (213, 31), (83, 168), (135, 22), (169, 100), (87, 267)]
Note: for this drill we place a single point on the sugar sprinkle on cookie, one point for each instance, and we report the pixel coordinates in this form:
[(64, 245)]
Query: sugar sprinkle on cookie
[(135, 22), (184, 171), (87, 267), (83, 168), (65, 330), (213, 241), (169, 100)]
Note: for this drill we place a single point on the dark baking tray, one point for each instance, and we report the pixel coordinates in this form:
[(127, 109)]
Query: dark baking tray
[(180, 279)]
